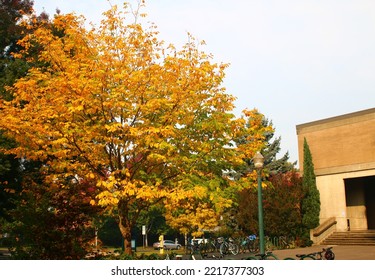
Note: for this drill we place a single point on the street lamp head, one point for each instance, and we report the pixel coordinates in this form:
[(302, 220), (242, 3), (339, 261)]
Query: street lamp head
[(258, 160)]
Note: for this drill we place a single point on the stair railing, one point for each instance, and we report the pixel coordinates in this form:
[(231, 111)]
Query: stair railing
[(324, 230)]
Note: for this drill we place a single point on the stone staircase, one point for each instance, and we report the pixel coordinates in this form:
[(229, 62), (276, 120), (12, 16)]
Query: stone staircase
[(355, 237)]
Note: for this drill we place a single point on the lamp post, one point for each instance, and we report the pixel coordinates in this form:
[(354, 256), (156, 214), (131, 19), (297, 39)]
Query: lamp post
[(258, 163)]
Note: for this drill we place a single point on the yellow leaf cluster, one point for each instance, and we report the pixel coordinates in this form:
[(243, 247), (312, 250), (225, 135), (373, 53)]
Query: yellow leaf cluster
[(253, 131)]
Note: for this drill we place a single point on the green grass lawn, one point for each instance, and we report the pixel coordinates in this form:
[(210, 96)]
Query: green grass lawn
[(148, 251)]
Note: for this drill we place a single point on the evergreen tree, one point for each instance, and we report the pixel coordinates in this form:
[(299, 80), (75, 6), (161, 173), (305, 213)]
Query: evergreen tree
[(271, 162), (246, 212), (10, 32), (270, 151), (273, 146), (311, 200), (10, 176), (11, 69)]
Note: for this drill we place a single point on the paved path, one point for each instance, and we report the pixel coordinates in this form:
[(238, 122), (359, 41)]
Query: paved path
[(4, 254), (341, 252)]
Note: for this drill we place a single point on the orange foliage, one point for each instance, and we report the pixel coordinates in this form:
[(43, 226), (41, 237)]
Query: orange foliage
[(114, 106)]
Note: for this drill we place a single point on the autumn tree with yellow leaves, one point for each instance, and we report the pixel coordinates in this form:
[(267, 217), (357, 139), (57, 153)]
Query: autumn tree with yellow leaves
[(149, 124)]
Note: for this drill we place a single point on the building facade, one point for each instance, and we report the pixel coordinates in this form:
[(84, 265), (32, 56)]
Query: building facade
[(343, 152)]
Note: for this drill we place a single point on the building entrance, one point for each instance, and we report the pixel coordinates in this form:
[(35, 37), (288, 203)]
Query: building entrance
[(360, 202)]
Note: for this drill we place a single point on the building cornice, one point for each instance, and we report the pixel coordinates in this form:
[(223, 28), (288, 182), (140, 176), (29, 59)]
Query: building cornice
[(345, 169), (346, 119)]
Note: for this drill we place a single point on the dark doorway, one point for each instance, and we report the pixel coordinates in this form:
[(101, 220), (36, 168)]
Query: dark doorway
[(360, 201), (370, 201)]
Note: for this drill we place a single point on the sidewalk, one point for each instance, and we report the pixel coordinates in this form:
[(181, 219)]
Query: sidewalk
[(4, 254), (341, 252)]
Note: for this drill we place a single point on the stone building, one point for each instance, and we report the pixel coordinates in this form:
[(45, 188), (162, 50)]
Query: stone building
[(343, 152)]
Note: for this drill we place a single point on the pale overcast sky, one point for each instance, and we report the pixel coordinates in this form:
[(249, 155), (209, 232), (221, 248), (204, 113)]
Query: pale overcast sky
[(297, 61)]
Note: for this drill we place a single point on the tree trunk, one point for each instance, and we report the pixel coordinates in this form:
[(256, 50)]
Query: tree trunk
[(125, 229)]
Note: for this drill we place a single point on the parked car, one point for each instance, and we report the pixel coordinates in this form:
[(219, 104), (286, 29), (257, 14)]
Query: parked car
[(168, 244), (198, 241)]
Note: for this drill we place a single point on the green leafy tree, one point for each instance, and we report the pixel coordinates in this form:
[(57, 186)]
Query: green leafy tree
[(282, 212), (109, 233), (281, 204), (10, 177), (50, 222), (10, 70), (154, 222), (247, 212)]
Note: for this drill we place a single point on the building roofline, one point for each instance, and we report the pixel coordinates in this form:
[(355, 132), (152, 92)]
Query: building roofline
[(335, 121)]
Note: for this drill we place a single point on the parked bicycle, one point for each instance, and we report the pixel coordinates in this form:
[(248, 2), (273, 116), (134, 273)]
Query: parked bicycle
[(229, 247), (249, 243), (269, 244), (310, 256), (324, 254), (285, 242), (213, 246), (194, 247), (266, 256)]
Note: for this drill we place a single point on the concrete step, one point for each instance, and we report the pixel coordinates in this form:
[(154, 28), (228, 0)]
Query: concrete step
[(365, 238)]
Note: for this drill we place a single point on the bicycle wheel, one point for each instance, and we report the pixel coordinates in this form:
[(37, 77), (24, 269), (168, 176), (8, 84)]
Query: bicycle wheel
[(307, 257), (243, 246), (224, 248), (233, 248), (269, 246), (252, 258), (212, 248), (203, 247), (329, 255), (193, 250), (253, 246), (271, 256)]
